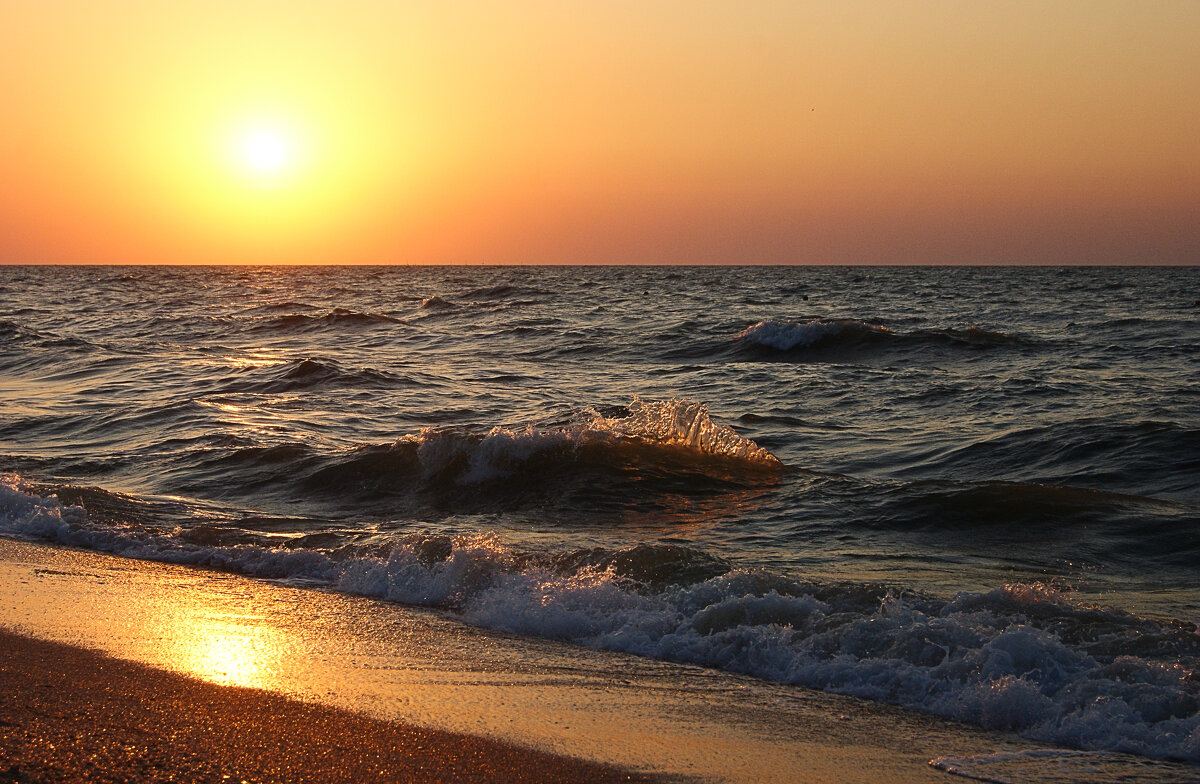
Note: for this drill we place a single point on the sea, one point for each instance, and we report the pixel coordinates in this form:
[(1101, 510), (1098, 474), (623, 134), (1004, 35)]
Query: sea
[(968, 491)]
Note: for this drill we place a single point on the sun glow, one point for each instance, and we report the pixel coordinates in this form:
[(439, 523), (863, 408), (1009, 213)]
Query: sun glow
[(265, 151), (291, 170)]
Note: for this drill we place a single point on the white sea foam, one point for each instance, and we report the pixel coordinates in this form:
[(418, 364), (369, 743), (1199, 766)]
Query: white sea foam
[(25, 512), (493, 456), (983, 658), (679, 423)]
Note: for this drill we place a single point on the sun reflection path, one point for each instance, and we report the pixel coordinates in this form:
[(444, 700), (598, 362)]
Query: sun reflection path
[(256, 358)]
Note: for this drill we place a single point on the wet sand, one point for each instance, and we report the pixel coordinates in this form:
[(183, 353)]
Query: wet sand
[(420, 691), (72, 715)]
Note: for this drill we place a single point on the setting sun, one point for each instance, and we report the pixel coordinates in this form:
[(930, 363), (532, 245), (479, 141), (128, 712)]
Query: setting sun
[(265, 151), (368, 133)]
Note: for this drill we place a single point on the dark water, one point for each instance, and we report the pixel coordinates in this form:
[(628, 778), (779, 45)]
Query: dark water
[(970, 491)]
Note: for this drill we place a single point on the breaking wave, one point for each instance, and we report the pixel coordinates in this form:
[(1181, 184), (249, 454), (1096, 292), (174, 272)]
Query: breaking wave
[(601, 464), (666, 458), (678, 430), (1022, 657)]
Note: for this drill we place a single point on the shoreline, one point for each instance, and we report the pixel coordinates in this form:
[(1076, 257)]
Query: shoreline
[(424, 672), (69, 714)]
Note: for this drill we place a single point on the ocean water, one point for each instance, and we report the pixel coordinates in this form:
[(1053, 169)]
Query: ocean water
[(973, 492)]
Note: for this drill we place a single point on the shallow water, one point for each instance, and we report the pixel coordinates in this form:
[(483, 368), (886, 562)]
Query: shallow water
[(970, 491)]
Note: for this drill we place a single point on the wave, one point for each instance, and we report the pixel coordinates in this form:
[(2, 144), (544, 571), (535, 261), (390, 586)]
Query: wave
[(639, 457), (783, 335), (679, 429), (1149, 457), (1021, 657), (684, 424), (275, 307), (18, 333), (503, 291), (436, 303), (312, 374), (334, 317), (940, 503), (1121, 530), (786, 336), (108, 507), (665, 460)]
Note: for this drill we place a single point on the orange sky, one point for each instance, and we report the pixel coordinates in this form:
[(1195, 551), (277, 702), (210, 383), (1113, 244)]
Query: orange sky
[(705, 131)]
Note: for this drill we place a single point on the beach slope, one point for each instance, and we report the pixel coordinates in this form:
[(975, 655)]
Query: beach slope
[(73, 715)]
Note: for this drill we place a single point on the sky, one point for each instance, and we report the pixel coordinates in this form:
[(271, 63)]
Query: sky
[(621, 131)]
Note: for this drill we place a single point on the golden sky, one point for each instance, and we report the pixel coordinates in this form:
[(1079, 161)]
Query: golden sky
[(622, 131)]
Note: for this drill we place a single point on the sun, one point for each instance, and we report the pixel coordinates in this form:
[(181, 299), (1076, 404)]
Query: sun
[(265, 151)]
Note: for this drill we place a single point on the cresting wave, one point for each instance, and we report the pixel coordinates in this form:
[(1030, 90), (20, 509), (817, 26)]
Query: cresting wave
[(650, 457), (787, 335), (597, 465), (1020, 657), (678, 428)]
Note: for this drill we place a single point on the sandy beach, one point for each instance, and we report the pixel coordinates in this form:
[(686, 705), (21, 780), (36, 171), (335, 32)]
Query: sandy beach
[(72, 715), (198, 674)]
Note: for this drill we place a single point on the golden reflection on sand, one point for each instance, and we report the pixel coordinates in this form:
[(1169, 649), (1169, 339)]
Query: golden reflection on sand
[(231, 650), (235, 659)]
